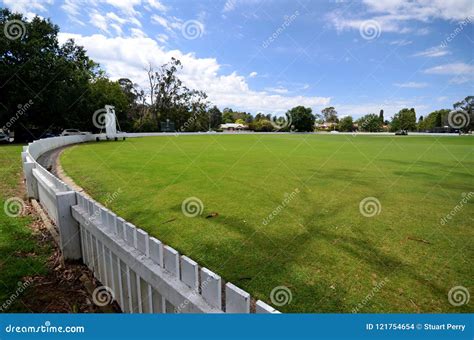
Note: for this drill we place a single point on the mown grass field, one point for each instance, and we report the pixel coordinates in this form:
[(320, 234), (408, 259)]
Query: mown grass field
[(318, 244), (21, 256)]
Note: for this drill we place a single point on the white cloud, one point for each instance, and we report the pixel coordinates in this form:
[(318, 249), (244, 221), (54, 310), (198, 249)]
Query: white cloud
[(155, 18), (411, 85), (423, 31), (437, 51), (24, 6), (401, 42), (463, 72), (162, 38), (99, 21), (27, 7), (280, 90), (114, 17), (229, 6), (111, 19), (461, 79), (117, 28), (382, 23), (135, 21), (170, 23), (126, 6), (253, 74), (138, 33), (157, 5), (423, 10), (394, 15), (127, 57), (72, 9), (452, 69)]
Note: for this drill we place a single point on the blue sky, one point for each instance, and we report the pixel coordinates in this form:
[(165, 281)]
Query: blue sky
[(268, 56)]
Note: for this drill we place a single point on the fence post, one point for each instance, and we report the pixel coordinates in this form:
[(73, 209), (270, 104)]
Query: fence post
[(69, 230), (31, 185), (236, 300)]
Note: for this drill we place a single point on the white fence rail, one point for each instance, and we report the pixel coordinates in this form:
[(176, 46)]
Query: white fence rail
[(142, 274)]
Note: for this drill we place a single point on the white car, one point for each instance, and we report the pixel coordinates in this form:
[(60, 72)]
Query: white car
[(72, 132)]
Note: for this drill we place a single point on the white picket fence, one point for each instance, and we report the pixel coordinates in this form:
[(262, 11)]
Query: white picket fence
[(142, 274)]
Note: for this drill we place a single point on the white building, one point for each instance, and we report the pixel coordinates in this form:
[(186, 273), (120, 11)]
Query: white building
[(232, 127)]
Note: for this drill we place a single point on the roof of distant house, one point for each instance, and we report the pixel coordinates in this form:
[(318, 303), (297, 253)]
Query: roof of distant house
[(232, 125)]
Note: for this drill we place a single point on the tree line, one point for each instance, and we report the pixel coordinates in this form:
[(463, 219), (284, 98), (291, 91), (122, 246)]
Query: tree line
[(460, 118), (47, 86)]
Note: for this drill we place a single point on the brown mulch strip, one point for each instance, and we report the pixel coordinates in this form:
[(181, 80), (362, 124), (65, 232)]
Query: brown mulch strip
[(66, 288)]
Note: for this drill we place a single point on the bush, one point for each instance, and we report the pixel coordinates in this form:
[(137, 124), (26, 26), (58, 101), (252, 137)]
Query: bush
[(262, 125)]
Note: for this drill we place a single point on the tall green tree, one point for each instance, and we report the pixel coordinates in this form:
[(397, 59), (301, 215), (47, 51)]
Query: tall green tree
[(215, 115), (103, 91), (405, 119), (35, 67), (346, 124), (433, 120), (172, 100), (302, 118), (138, 112), (228, 115), (330, 114), (370, 123)]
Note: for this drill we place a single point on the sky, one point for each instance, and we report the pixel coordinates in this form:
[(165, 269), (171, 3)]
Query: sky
[(269, 56)]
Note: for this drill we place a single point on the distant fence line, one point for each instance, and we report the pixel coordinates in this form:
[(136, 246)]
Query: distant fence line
[(141, 273)]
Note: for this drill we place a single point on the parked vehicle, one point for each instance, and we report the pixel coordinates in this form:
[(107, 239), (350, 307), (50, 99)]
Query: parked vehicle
[(73, 132), (4, 138), (401, 133), (48, 135)]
